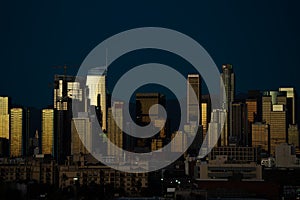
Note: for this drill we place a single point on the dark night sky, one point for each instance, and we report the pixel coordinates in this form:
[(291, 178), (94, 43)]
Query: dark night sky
[(260, 38)]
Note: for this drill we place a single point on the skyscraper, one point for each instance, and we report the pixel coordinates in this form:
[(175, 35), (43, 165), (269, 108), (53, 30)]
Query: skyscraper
[(96, 83), (252, 107), (144, 101), (4, 117), (194, 105), (229, 83), (291, 104), (239, 124), (215, 127), (48, 131), (67, 91), (81, 134), (179, 143), (260, 136), (274, 114), (16, 132), (115, 133), (293, 135), (206, 111)]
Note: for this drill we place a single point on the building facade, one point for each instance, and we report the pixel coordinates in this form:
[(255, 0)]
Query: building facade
[(261, 136), (227, 76), (96, 83), (274, 114), (16, 132), (48, 131), (4, 117), (115, 129), (194, 105)]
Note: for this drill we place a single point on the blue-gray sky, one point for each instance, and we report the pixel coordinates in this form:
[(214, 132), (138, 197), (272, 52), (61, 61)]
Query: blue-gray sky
[(260, 38)]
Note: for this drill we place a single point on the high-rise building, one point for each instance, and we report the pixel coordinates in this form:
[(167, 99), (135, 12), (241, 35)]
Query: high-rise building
[(194, 133), (144, 101), (48, 131), (252, 107), (178, 143), (114, 132), (216, 127), (239, 124), (229, 84), (205, 113), (228, 79), (16, 132), (260, 136), (194, 105), (291, 104), (81, 134), (274, 114), (67, 91), (96, 83), (156, 144), (4, 117), (293, 135), (204, 119)]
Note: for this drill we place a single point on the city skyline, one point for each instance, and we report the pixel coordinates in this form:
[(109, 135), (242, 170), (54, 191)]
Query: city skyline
[(266, 42), (150, 100)]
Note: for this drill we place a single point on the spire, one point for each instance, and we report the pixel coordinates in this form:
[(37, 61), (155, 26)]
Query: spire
[(36, 136)]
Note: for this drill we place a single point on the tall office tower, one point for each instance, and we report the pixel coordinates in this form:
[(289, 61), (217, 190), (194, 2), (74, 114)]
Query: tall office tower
[(229, 84), (228, 79), (48, 131), (16, 132), (4, 117), (293, 135), (194, 133), (239, 124), (290, 104), (96, 83), (179, 143), (67, 91), (81, 134), (194, 105), (129, 141), (293, 132), (156, 145), (260, 136), (274, 114), (204, 118), (206, 111), (254, 103), (144, 101), (215, 127), (252, 107), (114, 132)]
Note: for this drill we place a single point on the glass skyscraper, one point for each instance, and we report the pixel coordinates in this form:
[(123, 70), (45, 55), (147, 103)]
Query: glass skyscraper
[(47, 131), (96, 83), (228, 79), (193, 105), (4, 118), (16, 132)]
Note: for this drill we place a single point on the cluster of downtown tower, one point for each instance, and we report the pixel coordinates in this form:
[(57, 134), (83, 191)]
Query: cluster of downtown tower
[(259, 119)]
